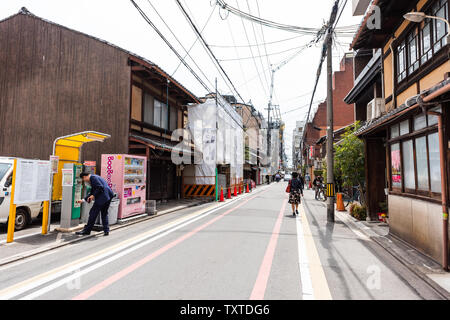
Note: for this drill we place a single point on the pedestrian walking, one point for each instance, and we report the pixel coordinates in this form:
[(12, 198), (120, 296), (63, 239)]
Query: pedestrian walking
[(295, 192), (102, 195), (317, 184)]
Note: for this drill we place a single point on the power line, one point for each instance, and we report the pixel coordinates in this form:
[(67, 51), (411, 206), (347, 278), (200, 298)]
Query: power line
[(237, 54), (266, 55), (179, 42), (323, 56), (255, 45), (263, 37), (205, 44), (281, 26), (147, 19), (259, 52), (142, 13), (196, 39), (253, 56)]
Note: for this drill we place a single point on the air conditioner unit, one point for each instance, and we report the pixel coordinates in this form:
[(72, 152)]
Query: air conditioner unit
[(375, 108)]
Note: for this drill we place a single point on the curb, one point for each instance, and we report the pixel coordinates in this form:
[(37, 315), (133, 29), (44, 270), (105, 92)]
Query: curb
[(435, 286), (35, 252)]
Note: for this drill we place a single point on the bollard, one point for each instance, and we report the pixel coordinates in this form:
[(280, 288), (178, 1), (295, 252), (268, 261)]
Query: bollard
[(340, 202)]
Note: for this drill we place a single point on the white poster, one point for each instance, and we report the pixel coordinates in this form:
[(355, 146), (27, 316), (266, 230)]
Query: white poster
[(67, 177), (32, 181)]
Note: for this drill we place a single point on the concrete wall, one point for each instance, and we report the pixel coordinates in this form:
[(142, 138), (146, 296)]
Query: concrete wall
[(418, 223)]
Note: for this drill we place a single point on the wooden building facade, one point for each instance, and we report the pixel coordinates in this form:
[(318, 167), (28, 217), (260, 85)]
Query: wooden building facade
[(56, 81), (406, 142)]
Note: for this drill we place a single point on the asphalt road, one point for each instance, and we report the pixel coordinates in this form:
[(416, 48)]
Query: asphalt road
[(248, 248)]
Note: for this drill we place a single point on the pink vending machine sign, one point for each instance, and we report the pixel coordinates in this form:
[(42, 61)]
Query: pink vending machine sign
[(126, 175)]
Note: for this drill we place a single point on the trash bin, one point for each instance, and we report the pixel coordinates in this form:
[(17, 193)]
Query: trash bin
[(113, 212), (85, 208)]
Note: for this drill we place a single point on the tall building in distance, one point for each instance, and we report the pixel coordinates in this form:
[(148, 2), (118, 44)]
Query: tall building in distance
[(296, 144)]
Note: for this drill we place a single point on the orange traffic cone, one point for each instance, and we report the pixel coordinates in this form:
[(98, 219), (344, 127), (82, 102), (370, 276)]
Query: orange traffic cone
[(235, 191), (221, 195), (229, 193), (340, 202), (247, 189)]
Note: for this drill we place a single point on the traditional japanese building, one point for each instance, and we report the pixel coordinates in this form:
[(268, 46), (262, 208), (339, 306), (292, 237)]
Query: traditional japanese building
[(56, 81), (407, 137)]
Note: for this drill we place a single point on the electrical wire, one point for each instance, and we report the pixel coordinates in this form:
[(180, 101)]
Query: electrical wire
[(281, 26), (255, 45), (208, 49), (259, 52), (195, 41), (142, 13), (252, 55), (266, 55), (147, 19)]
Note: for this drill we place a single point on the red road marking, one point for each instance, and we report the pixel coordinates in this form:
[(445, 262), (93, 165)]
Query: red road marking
[(117, 276), (264, 271)]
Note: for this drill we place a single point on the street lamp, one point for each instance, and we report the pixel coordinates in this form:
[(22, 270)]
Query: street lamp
[(418, 17)]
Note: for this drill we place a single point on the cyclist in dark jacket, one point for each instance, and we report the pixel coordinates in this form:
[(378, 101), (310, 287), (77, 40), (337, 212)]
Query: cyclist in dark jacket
[(296, 192)]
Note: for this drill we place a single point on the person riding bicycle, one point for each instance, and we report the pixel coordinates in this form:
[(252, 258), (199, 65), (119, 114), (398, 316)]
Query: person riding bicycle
[(317, 184)]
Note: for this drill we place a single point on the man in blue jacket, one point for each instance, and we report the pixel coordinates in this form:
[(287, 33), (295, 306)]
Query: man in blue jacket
[(102, 195)]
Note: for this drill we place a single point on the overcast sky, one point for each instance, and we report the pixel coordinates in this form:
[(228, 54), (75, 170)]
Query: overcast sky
[(119, 22)]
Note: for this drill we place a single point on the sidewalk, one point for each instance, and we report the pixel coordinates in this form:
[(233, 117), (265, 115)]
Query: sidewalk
[(35, 243), (424, 267)]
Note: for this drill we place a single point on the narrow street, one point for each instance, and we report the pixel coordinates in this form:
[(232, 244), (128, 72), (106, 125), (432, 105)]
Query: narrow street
[(248, 248)]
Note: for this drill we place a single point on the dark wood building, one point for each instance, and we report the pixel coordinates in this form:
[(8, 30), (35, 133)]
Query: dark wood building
[(56, 81)]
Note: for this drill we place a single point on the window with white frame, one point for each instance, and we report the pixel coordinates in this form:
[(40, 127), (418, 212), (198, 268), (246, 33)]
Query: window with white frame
[(414, 156)]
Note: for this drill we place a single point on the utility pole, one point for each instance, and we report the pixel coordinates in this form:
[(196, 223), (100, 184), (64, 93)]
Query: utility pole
[(330, 129)]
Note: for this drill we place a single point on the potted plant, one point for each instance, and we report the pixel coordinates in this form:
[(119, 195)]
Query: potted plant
[(383, 213)]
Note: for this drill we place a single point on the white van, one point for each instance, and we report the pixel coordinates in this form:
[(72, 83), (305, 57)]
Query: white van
[(24, 213)]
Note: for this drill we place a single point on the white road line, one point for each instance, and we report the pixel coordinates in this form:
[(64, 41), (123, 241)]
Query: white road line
[(118, 250), (303, 263)]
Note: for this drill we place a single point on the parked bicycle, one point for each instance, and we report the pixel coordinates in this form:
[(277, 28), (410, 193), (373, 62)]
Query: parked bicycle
[(351, 197), (321, 193)]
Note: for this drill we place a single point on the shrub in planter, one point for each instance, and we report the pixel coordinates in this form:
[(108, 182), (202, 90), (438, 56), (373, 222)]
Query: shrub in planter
[(359, 213), (352, 207)]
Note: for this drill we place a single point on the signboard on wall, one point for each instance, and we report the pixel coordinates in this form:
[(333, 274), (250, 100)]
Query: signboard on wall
[(54, 161), (32, 181)]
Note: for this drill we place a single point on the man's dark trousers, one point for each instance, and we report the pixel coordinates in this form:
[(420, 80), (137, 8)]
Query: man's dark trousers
[(93, 214)]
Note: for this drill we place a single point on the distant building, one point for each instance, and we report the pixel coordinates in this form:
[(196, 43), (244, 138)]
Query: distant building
[(343, 114)]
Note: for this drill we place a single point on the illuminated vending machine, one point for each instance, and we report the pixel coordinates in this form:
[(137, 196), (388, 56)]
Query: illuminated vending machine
[(126, 175)]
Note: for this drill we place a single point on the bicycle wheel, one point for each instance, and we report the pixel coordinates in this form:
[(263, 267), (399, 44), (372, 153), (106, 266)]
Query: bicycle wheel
[(347, 199), (322, 196)]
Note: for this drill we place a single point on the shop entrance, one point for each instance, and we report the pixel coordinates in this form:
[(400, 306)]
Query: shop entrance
[(162, 175)]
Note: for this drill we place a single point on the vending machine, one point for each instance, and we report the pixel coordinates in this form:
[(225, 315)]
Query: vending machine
[(72, 188), (126, 175)]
